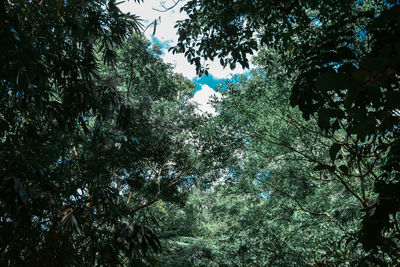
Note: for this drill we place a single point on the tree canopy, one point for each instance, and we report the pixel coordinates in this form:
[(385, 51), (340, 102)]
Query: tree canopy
[(94, 129), (343, 59), (104, 160)]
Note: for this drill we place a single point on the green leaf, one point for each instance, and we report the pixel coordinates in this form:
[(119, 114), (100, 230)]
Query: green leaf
[(393, 99), (323, 119), (346, 53), (333, 81), (321, 167), (335, 125), (333, 150), (344, 169), (361, 75), (385, 17), (16, 36), (351, 97), (363, 127)]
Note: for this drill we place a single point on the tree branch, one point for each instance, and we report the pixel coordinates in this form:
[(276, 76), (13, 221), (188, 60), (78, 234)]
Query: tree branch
[(165, 8)]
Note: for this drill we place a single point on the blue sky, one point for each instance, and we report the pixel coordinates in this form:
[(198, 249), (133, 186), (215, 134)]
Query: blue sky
[(166, 37), (209, 80)]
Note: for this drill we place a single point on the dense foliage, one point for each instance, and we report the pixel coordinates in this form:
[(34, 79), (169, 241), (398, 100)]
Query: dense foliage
[(94, 129), (105, 161), (342, 58), (275, 207)]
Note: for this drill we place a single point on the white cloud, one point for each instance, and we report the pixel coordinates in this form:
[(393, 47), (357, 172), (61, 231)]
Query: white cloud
[(165, 32), (202, 99), (180, 63)]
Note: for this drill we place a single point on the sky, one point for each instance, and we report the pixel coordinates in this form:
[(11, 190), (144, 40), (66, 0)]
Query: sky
[(166, 37)]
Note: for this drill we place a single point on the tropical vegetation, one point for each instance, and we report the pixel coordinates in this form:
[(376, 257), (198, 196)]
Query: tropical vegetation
[(106, 161)]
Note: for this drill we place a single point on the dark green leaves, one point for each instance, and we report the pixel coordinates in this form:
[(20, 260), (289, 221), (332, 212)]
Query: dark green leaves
[(344, 169), (346, 53), (342, 60), (80, 137), (333, 150), (324, 116), (334, 81), (393, 99), (323, 167)]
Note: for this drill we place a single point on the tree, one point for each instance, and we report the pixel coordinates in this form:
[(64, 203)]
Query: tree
[(280, 204), (309, 211), (86, 144), (343, 59)]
